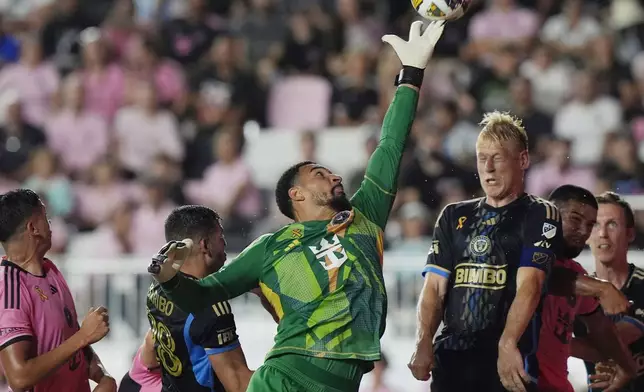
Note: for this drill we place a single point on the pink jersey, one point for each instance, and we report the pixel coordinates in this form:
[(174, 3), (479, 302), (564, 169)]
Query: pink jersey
[(41, 309), (149, 380), (556, 333)]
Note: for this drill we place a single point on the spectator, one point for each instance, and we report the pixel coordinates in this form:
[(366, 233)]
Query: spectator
[(587, 119), (111, 239), (103, 80), (500, 24), (34, 79), (308, 146), (79, 137), (537, 124), (304, 48), (550, 79), (9, 45), (460, 135), (189, 37), (144, 62), (355, 101), (60, 34), (414, 221), (620, 168), (156, 131), (264, 30), (557, 169), (429, 167), (227, 186), (117, 30), (18, 138), (47, 179), (571, 32), (147, 220), (99, 197)]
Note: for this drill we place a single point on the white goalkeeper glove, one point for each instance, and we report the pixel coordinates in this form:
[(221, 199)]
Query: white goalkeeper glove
[(168, 261), (418, 50)]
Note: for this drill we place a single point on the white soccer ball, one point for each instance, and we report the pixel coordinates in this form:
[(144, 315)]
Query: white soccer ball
[(441, 9)]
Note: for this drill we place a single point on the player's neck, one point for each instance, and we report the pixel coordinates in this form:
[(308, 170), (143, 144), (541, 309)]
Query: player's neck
[(315, 214), (615, 272), (194, 268), (26, 257), (505, 200)]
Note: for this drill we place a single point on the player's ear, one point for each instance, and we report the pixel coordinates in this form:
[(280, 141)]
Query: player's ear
[(524, 159), (204, 247), (296, 194), (31, 227), (630, 234)]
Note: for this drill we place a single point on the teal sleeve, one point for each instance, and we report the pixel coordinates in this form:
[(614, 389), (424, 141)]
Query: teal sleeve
[(377, 191), (237, 278)]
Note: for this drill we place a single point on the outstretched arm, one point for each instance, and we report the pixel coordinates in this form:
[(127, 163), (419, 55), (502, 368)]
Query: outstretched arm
[(566, 282), (378, 190), (239, 277)]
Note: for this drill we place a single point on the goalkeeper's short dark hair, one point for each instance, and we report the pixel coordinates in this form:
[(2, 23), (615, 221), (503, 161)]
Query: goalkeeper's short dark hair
[(16, 207), (566, 193), (284, 184), (191, 221)]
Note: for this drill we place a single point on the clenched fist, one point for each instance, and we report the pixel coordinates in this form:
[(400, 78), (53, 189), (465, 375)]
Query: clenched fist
[(95, 325)]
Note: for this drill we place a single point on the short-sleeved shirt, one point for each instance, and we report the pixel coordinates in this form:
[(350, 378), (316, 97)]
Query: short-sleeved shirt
[(148, 380), (634, 291), (480, 249), (184, 341), (41, 309), (558, 318)]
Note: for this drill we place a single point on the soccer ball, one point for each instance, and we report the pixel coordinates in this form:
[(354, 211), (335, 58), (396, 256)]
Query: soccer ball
[(441, 9)]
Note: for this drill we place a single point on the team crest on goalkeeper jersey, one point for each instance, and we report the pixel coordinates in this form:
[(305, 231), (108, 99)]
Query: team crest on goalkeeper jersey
[(340, 217)]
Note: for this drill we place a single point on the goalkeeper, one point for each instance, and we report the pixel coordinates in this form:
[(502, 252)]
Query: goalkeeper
[(323, 273)]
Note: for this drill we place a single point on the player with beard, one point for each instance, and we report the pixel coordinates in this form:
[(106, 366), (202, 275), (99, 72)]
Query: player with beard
[(323, 273), (578, 209)]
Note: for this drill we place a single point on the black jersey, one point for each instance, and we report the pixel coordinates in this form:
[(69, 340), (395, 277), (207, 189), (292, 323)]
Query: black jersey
[(184, 341), (480, 249), (634, 291)]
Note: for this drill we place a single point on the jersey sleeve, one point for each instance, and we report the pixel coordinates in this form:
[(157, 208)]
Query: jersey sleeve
[(143, 376), (439, 258), (235, 279), (542, 236), (214, 329), (15, 320), (378, 189)]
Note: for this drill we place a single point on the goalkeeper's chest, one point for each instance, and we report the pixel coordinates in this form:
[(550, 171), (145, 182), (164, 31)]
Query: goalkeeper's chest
[(325, 250)]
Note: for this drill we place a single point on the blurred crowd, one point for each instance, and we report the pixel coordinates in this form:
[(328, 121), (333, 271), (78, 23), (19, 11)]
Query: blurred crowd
[(116, 111)]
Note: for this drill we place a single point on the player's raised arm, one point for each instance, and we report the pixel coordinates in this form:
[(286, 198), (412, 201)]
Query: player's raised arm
[(430, 304), (192, 296), (542, 239), (378, 190)]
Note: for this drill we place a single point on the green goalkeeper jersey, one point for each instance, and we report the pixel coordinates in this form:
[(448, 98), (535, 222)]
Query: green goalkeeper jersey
[(323, 278)]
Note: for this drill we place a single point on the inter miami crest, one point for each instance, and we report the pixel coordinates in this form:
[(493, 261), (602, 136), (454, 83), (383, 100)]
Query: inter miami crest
[(340, 217)]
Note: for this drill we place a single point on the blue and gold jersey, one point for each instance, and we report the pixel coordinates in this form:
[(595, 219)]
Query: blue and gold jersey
[(480, 248), (633, 290), (184, 341)]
